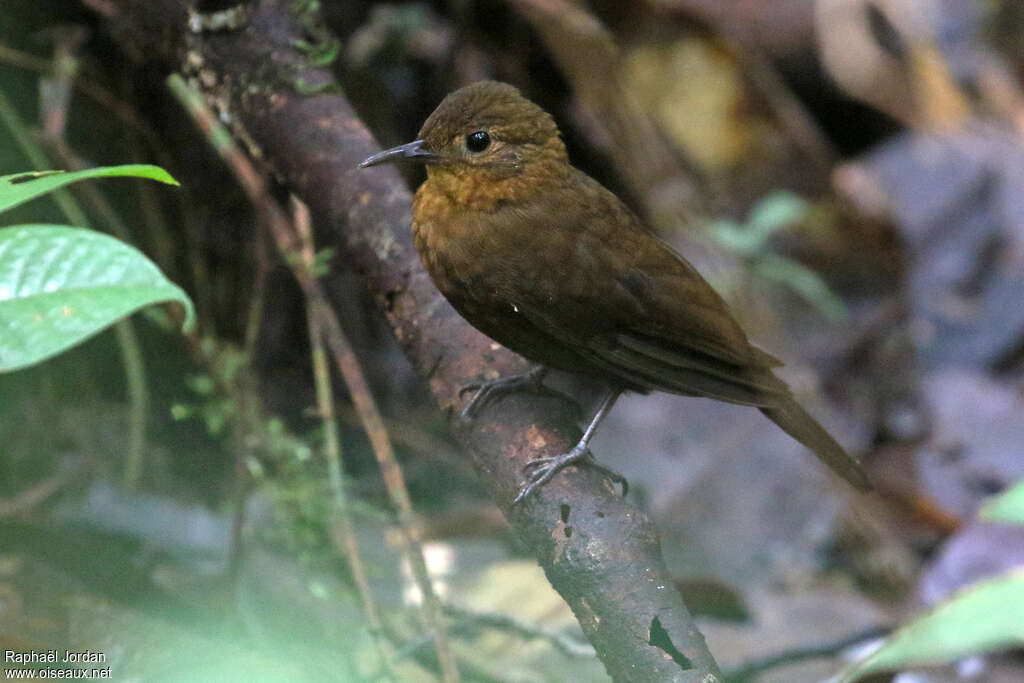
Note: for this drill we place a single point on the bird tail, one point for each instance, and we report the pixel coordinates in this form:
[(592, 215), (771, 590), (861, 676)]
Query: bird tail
[(796, 422)]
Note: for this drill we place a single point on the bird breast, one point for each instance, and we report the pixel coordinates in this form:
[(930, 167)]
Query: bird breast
[(478, 251)]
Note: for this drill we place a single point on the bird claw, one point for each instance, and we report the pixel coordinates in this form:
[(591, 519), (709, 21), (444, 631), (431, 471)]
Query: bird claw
[(487, 391), (547, 466)]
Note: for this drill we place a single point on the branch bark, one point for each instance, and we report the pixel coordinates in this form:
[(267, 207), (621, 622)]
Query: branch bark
[(599, 552)]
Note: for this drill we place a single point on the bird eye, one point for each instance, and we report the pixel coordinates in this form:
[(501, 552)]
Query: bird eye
[(478, 141)]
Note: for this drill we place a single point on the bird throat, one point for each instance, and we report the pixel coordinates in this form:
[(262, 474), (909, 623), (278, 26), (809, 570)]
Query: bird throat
[(481, 188)]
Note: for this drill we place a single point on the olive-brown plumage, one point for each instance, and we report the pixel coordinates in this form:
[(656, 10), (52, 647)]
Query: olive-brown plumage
[(545, 260)]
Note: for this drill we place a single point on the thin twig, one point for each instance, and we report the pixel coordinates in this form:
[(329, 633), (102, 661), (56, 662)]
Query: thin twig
[(257, 302), (347, 362), (587, 54), (105, 98), (789, 112), (37, 159), (138, 402), (343, 530), (751, 669), (321, 370), (36, 494), (127, 339), (239, 493), (128, 343), (415, 437), (155, 221), (55, 116), (565, 644), (254, 186)]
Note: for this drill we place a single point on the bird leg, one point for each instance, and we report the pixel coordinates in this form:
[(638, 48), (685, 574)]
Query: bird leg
[(547, 466), (532, 380)]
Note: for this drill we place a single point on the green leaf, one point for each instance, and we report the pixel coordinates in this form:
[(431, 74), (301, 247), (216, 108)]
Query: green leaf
[(21, 187), (61, 285), (777, 210), (1008, 506), (736, 237), (804, 282), (981, 618)]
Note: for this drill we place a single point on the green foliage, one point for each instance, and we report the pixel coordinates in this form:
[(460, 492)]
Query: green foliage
[(776, 212), (1006, 507), (21, 187), (60, 285), (772, 214), (981, 618), (319, 46), (306, 7), (279, 461), (804, 282), (216, 390), (320, 54), (322, 262)]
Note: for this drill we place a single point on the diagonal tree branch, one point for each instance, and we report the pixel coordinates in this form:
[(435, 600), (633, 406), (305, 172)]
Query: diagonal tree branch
[(600, 553)]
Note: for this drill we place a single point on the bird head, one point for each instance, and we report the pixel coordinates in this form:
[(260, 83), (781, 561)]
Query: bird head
[(484, 130)]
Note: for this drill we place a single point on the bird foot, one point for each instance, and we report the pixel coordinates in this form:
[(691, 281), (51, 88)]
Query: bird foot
[(486, 392), (541, 469)]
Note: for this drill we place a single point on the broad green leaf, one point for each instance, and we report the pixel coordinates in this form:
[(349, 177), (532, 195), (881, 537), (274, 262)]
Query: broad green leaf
[(980, 618), (61, 285), (1008, 506), (21, 187)]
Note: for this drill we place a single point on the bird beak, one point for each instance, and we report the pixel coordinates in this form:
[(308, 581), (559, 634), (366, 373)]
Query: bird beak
[(412, 150)]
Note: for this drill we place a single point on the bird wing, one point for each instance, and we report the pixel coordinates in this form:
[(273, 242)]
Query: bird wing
[(649, 363), (636, 309)]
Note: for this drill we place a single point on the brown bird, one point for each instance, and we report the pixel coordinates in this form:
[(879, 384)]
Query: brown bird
[(542, 258)]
